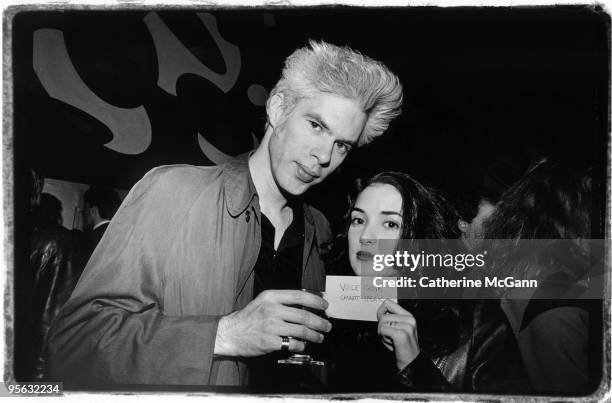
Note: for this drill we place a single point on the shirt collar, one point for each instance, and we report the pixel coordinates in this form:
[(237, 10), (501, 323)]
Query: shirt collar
[(101, 223), (239, 187)]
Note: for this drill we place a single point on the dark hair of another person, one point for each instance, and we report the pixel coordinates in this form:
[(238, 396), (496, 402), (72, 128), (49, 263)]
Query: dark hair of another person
[(106, 200), (426, 214), (36, 181), (49, 211), (468, 201), (552, 201)]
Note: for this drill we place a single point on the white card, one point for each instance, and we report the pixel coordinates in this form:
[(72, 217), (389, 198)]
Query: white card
[(355, 297)]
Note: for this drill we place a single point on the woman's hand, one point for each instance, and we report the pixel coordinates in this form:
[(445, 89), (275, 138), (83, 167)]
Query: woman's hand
[(398, 329)]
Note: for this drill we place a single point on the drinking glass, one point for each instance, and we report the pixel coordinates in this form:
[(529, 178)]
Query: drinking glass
[(304, 358)]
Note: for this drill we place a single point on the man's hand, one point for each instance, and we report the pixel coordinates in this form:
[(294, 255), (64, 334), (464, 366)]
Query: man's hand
[(398, 329), (258, 327)]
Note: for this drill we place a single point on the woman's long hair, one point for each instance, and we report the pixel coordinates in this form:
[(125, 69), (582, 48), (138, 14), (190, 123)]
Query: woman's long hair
[(552, 201), (426, 214)]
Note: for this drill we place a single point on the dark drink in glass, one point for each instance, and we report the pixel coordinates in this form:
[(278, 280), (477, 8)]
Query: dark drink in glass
[(304, 358)]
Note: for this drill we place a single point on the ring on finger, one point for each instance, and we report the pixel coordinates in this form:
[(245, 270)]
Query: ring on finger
[(285, 343)]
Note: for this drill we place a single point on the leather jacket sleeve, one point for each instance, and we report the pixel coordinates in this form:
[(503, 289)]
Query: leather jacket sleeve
[(422, 375)]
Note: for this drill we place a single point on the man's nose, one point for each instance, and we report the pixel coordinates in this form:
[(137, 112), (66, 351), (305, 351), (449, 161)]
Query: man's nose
[(323, 152)]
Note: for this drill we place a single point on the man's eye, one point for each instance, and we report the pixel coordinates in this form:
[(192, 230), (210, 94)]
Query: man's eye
[(356, 221), (315, 125), (392, 225), (343, 148)]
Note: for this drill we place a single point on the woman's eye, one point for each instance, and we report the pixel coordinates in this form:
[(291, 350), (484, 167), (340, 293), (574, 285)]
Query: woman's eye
[(391, 225), (356, 221)]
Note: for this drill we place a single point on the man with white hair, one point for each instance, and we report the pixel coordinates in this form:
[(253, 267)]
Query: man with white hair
[(201, 266)]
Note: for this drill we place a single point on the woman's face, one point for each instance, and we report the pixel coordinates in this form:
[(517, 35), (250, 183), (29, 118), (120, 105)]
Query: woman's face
[(377, 215)]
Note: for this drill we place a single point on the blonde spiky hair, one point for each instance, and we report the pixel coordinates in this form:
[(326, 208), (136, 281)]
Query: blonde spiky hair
[(326, 68)]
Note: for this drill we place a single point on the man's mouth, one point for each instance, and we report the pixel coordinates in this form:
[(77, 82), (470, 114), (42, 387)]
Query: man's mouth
[(306, 175), (364, 256)]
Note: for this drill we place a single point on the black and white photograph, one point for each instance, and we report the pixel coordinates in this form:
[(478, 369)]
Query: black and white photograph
[(326, 201)]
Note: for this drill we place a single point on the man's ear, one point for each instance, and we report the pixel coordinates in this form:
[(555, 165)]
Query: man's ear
[(462, 225), (275, 109)]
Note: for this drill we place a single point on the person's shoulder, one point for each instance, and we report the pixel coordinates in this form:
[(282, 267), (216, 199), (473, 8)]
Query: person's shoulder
[(178, 174), (558, 293), (183, 179), (175, 184), (547, 311)]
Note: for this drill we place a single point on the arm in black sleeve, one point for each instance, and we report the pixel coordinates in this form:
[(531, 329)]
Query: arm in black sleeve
[(422, 375)]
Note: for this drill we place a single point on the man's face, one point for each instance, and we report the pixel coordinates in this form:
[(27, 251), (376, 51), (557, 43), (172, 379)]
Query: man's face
[(312, 140)]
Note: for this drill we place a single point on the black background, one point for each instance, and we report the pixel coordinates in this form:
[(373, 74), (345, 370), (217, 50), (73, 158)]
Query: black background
[(481, 85)]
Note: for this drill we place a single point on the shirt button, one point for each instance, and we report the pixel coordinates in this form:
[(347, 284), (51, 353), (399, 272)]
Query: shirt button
[(248, 216)]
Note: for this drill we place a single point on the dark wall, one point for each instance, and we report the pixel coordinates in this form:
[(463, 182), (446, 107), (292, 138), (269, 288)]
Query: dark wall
[(480, 84)]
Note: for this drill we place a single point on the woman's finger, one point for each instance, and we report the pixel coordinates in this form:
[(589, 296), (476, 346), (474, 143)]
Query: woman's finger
[(389, 306), (394, 307), (408, 329), (404, 318), (386, 339), (392, 334)]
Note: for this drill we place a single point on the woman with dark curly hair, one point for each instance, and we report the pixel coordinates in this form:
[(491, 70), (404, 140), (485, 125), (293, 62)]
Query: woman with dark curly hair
[(427, 344), (555, 328)]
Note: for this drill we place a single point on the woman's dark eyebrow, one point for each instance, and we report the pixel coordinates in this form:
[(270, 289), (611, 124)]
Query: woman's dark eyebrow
[(357, 209)]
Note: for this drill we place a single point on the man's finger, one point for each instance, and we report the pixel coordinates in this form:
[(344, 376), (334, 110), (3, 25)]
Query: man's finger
[(295, 345), (296, 297), (303, 317), (299, 332)]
